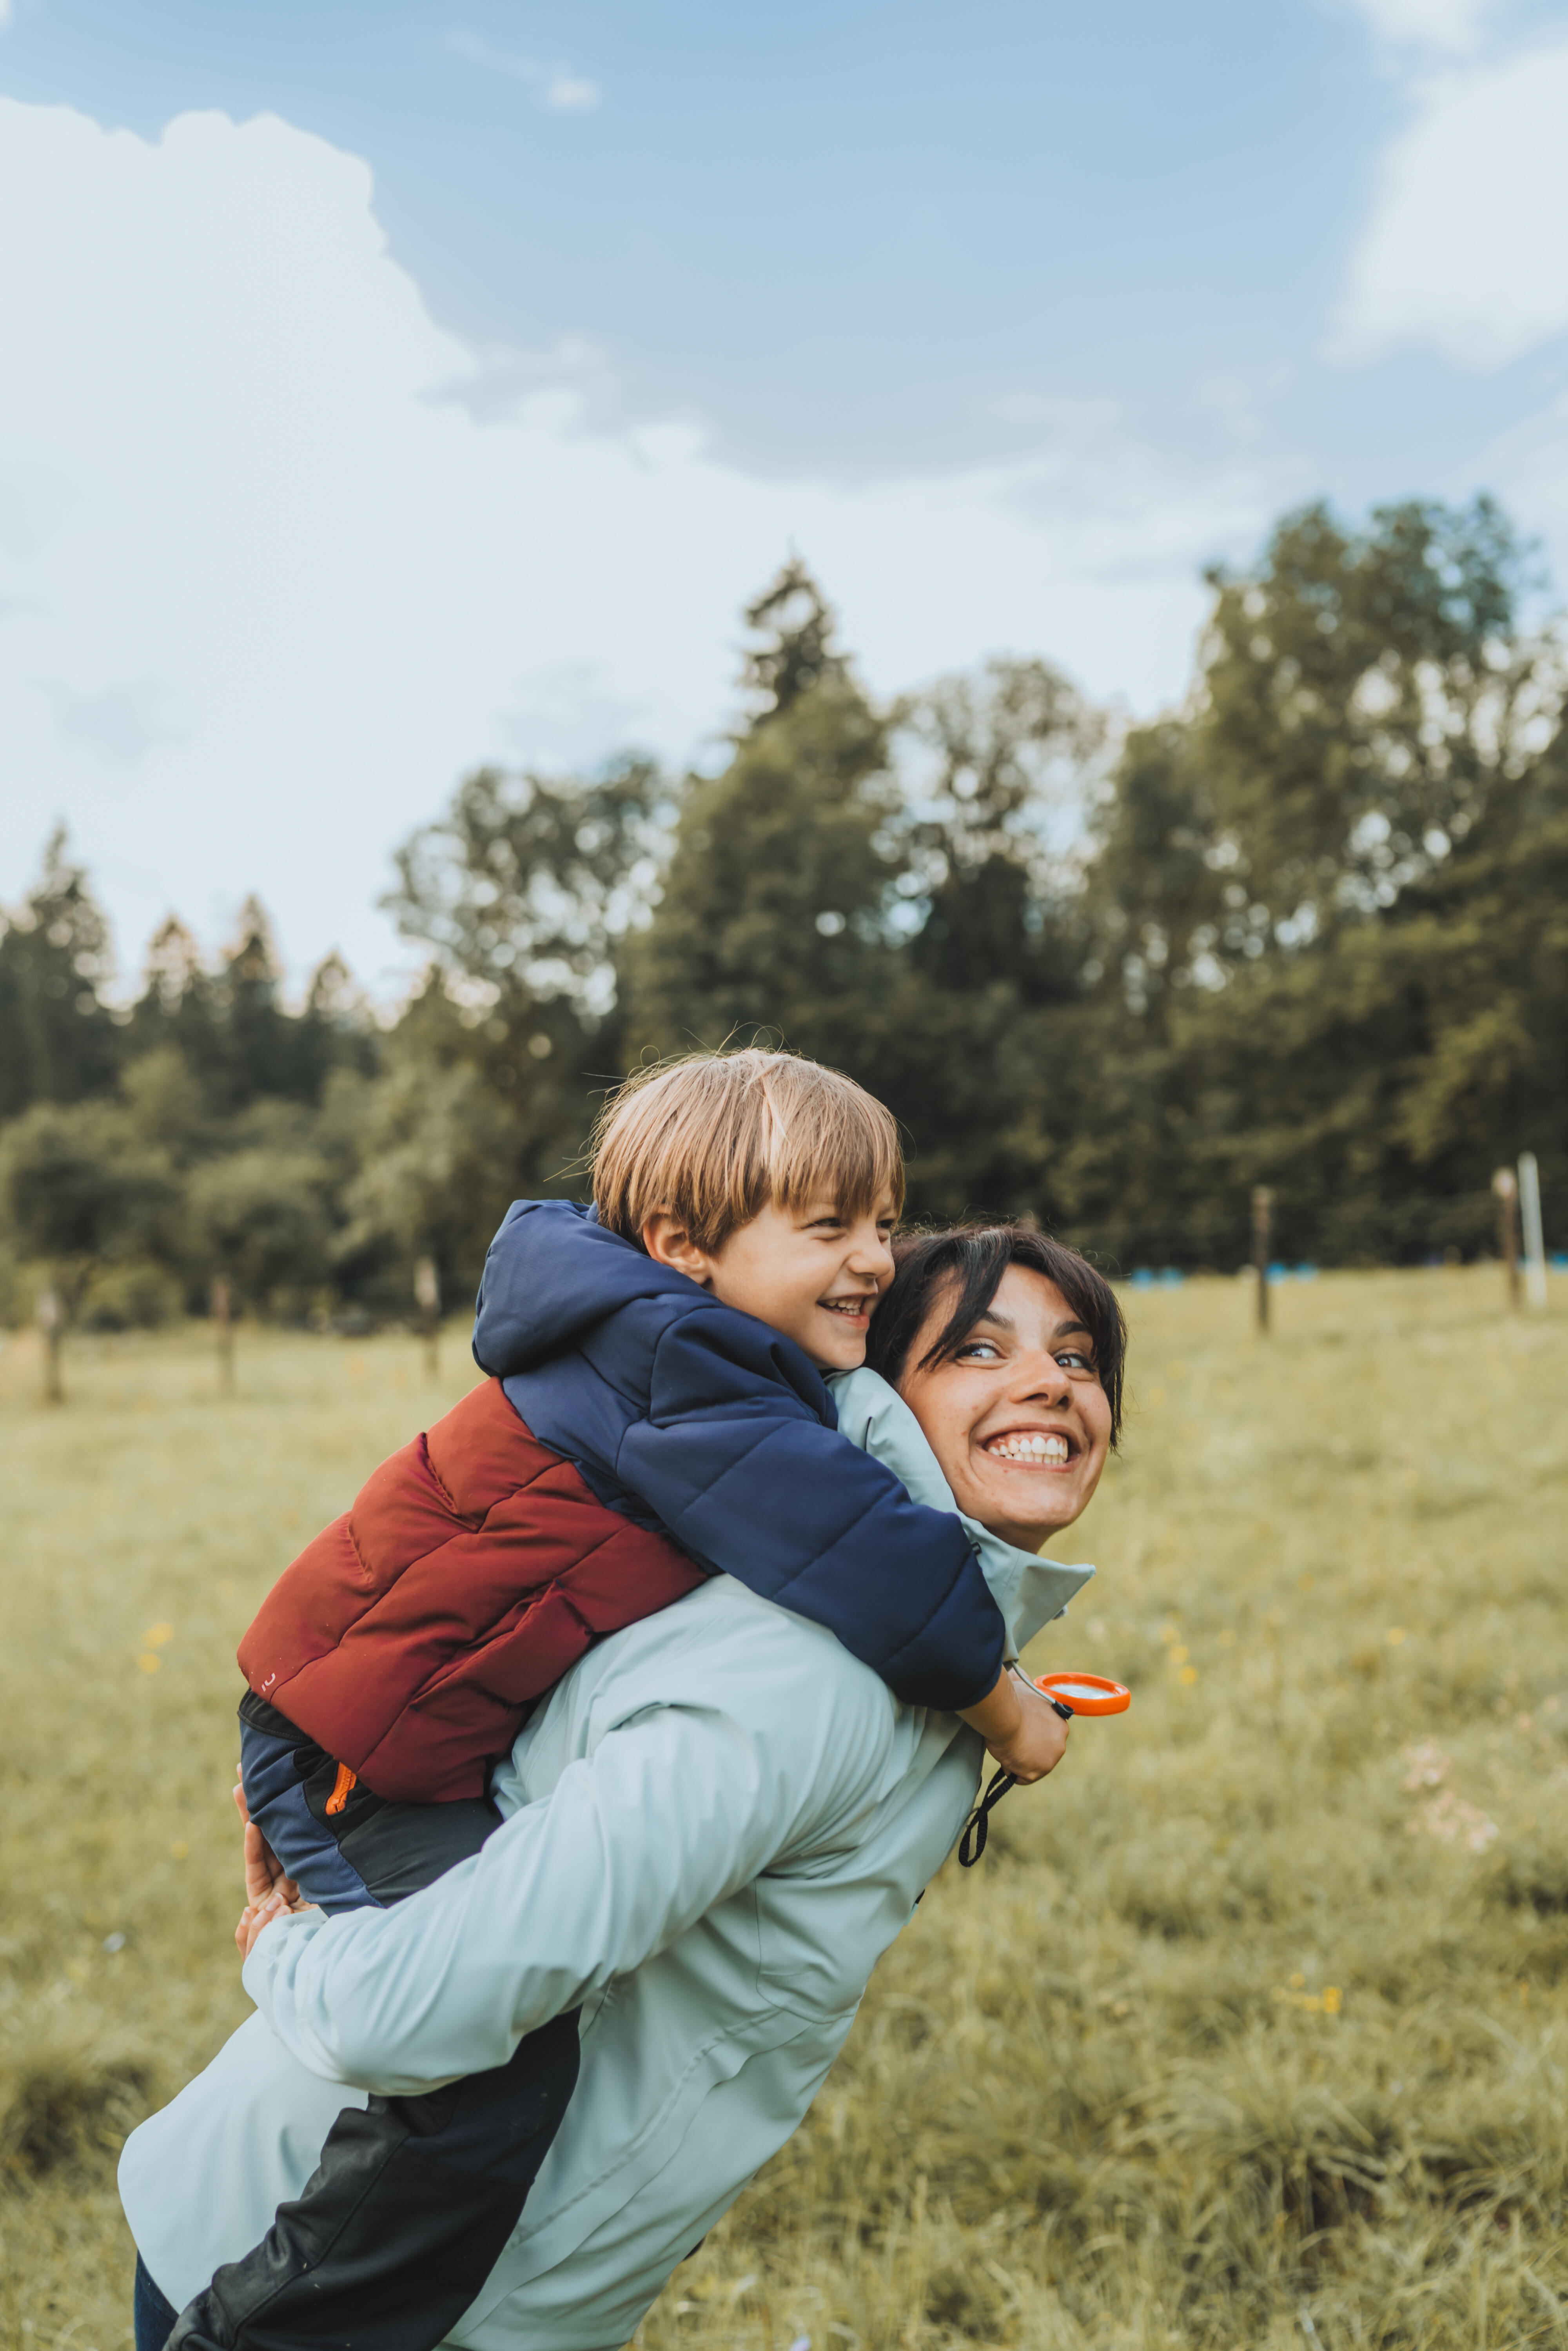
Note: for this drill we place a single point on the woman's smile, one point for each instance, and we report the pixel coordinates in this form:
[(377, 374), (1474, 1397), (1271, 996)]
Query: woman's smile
[(1016, 1413), (1030, 1448)]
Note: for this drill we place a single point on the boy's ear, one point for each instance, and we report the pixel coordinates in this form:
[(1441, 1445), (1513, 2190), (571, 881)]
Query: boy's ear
[(668, 1242)]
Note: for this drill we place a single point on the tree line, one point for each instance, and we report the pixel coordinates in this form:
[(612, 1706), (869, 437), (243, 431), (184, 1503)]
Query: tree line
[(1307, 931)]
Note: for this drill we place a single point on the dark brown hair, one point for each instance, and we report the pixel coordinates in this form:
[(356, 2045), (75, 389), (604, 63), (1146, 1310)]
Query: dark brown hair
[(962, 1268)]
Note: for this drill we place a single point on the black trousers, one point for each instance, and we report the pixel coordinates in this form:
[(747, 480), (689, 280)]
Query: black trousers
[(414, 2198), (151, 2315)]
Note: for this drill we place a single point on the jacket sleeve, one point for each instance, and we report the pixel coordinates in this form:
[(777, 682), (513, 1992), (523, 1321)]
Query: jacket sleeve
[(750, 1480), (572, 1892)]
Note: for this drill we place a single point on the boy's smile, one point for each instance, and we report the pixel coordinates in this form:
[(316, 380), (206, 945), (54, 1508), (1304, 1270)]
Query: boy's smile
[(813, 1273)]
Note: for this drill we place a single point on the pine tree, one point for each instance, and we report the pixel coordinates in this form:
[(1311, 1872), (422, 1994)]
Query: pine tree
[(772, 912), (59, 1041)]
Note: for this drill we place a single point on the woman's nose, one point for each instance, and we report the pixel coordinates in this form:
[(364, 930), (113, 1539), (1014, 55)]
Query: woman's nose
[(1041, 1374)]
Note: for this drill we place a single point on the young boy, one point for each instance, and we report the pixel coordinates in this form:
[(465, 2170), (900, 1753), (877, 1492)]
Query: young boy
[(656, 1411)]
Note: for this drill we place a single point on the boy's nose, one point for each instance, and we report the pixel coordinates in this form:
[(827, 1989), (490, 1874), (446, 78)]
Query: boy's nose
[(871, 1251)]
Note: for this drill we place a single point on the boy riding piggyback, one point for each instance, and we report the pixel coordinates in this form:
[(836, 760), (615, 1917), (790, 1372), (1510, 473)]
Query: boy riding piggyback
[(655, 1412)]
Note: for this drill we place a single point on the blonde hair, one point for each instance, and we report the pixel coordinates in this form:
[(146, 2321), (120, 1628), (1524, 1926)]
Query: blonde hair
[(713, 1138)]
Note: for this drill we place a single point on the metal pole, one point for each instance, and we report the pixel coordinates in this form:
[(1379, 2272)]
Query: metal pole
[(50, 1320), (1534, 1241), (427, 1297), (223, 1327), (1262, 1208), (1505, 1184)]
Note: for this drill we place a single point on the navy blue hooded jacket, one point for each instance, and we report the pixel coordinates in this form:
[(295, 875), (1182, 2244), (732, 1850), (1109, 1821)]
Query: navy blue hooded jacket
[(689, 1417)]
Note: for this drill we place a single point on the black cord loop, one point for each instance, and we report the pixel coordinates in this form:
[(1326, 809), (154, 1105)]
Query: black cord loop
[(976, 1828)]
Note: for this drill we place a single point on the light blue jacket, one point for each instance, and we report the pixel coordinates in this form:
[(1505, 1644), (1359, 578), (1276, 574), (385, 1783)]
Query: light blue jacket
[(715, 1827)]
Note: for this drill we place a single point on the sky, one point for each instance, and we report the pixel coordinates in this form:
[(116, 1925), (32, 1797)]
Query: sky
[(389, 388)]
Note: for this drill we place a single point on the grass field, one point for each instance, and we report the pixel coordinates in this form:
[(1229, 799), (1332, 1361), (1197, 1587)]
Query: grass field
[(1251, 2029)]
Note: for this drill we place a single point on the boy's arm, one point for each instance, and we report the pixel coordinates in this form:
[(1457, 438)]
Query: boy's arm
[(750, 1480)]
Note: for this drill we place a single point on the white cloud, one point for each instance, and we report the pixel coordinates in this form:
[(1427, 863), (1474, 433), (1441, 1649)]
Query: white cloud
[(119, 722), (1467, 248), (493, 385), (1455, 26), (477, 51), (567, 90), (255, 546), (556, 84)]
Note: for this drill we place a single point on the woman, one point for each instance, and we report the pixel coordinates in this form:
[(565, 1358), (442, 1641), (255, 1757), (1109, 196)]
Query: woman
[(718, 1963), (1009, 1348)]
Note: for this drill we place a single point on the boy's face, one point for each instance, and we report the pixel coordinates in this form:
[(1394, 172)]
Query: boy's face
[(815, 1274)]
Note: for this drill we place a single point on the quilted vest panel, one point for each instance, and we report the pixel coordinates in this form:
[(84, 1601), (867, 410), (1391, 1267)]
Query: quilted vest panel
[(476, 1566)]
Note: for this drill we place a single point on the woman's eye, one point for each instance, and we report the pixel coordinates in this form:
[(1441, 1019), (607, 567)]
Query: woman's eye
[(1071, 1360), (977, 1351)]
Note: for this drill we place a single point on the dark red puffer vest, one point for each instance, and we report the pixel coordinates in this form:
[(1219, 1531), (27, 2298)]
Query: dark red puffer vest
[(475, 1568)]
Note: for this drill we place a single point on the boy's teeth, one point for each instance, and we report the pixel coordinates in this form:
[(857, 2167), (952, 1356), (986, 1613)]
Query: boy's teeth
[(1036, 1448)]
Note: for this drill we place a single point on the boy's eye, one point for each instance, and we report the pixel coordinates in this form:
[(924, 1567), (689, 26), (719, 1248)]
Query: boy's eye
[(979, 1350)]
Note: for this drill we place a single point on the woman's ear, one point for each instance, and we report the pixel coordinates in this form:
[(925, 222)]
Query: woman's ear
[(668, 1241)]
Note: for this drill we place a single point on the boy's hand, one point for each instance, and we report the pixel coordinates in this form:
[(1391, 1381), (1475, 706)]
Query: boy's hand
[(256, 1916), (267, 1892), (1022, 1728)]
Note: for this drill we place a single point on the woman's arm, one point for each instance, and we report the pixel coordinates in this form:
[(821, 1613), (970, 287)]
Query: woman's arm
[(674, 1811), (1023, 1731)]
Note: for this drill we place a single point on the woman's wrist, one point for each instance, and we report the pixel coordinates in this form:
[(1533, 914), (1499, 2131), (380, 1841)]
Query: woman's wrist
[(999, 1717)]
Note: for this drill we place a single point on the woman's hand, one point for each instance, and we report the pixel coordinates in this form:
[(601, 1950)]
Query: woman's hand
[(1022, 1730), (267, 1892)]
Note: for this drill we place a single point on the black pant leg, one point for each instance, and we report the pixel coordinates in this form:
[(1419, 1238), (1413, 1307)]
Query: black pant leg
[(403, 2221), (152, 2315), (414, 2198)]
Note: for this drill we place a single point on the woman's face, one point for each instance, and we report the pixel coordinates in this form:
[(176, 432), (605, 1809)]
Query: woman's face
[(1017, 1418)]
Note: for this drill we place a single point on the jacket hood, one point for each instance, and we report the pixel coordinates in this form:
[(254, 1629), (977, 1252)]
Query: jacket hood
[(1030, 1590), (552, 1274)]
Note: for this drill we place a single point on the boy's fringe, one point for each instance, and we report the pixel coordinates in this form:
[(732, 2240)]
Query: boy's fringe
[(713, 1138)]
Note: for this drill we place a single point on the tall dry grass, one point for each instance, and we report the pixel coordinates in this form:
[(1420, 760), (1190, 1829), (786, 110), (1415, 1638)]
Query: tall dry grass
[(1249, 2030)]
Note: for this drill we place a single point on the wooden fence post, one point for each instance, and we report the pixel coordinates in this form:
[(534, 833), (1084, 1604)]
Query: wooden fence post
[(1505, 1184), (427, 1297), (224, 1331), (1534, 1239), (50, 1319), (1262, 1216)]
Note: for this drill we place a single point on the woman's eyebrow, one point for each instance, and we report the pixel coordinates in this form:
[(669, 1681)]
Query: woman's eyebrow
[(1001, 1322)]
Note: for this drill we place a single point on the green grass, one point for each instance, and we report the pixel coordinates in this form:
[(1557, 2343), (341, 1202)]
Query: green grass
[(1251, 2028)]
